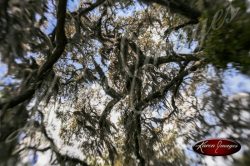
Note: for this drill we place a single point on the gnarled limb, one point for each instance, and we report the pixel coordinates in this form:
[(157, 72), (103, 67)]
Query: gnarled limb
[(43, 70)]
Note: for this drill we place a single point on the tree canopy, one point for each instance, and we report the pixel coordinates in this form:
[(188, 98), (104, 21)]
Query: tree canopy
[(122, 82)]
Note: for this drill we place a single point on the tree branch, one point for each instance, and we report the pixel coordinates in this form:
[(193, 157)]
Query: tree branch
[(162, 91), (143, 59), (53, 147), (191, 22), (104, 81), (91, 7), (18, 99), (176, 6), (61, 40), (43, 71)]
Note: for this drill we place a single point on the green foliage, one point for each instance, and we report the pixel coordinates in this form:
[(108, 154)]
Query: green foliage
[(230, 43), (244, 160)]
